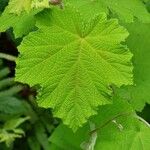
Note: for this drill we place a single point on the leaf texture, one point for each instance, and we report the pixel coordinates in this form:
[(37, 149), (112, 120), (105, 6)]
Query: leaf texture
[(75, 60), (134, 134), (19, 6), (126, 10), (138, 42), (21, 24)]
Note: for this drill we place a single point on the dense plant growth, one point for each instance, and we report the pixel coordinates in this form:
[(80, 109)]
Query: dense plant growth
[(74, 75)]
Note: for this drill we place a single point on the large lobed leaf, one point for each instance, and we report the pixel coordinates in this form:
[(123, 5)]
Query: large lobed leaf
[(75, 60)]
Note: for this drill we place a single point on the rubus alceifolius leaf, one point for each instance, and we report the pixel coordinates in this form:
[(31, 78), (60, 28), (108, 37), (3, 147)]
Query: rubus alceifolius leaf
[(75, 60)]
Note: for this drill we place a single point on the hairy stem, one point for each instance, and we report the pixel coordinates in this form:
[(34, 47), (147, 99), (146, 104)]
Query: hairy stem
[(7, 56), (144, 121)]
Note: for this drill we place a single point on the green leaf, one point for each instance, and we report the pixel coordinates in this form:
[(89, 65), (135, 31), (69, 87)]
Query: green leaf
[(10, 131), (64, 138), (138, 42), (145, 1), (54, 147), (11, 105), (15, 122), (128, 139), (40, 4), (134, 135), (75, 60), (17, 6), (21, 24), (126, 10), (8, 138)]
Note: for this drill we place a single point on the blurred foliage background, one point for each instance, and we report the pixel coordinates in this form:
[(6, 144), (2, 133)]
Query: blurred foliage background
[(23, 125)]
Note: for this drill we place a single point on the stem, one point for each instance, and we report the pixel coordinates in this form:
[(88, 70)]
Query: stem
[(144, 121), (90, 144), (8, 57)]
